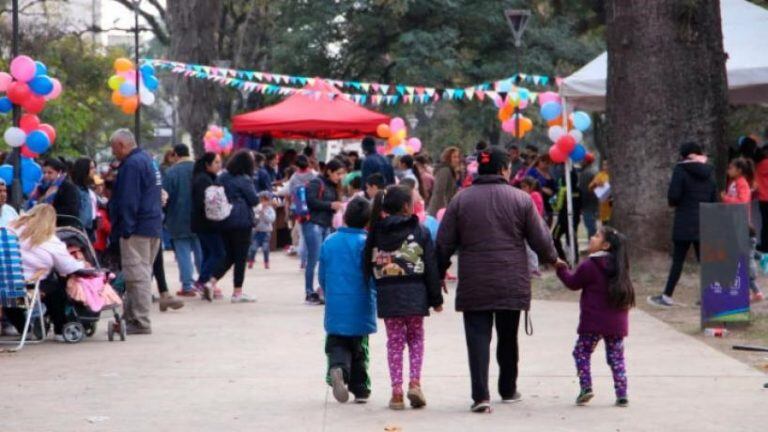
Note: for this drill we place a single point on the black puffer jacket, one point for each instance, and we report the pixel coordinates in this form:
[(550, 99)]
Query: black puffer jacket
[(321, 193), (401, 258), (692, 183), (199, 223)]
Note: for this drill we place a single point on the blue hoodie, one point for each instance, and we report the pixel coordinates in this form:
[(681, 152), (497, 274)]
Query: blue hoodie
[(350, 299), (135, 207)]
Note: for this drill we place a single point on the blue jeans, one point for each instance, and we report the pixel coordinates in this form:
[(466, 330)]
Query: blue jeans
[(313, 238), (186, 249), (213, 253), (590, 221), (259, 240)]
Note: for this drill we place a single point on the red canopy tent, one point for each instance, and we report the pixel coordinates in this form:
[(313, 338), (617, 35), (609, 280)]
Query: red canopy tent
[(304, 116)]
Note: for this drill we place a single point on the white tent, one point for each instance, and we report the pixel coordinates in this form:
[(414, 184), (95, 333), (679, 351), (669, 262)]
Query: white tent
[(745, 35)]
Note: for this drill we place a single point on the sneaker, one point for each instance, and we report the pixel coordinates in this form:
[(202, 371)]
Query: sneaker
[(250, 264), (584, 397), (482, 407), (397, 403), (266, 265), (170, 302), (198, 287), (186, 293), (8, 330), (757, 297), (449, 277), (661, 301), (313, 300), (517, 397), (242, 298), (59, 338), (207, 293), (217, 294), (416, 396), (134, 329), (340, 391), (361, 400), (622, 402)]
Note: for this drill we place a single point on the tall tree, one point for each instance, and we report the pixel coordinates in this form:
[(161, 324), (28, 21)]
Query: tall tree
[(666, 85)]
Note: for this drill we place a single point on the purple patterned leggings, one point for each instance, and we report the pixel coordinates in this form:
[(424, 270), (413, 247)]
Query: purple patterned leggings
[(614, 353), (402, 331)]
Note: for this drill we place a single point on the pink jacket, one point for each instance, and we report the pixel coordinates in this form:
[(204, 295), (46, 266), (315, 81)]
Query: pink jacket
[(538, 201), (50, 255)]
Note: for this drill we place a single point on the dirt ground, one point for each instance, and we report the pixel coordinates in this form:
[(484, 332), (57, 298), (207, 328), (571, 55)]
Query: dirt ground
[(649, 276)]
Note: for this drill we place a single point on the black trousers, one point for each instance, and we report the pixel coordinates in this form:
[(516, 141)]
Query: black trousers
[(55, 301), (350, 353), (236, 244), (158, 271), (478, 328), (763, 246), (679, 252)]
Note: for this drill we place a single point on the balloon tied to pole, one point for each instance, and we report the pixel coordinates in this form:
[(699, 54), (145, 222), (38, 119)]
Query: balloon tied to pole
[(398, 143), (28, 86), (125, 92)]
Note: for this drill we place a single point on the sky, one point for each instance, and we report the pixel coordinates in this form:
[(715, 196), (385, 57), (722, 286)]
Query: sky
[(113, 11)]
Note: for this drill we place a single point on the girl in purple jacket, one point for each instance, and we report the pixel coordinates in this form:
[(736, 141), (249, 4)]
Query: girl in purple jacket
[(606, 297)]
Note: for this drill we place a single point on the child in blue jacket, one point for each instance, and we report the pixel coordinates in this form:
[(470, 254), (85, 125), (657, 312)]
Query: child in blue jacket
[(350, 304)]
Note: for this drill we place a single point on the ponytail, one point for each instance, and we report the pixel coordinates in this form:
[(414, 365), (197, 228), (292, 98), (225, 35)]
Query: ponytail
[(621, 293)]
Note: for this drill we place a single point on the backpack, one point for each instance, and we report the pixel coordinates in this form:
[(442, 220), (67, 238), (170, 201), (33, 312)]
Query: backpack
[(217, 206), (299, 207)]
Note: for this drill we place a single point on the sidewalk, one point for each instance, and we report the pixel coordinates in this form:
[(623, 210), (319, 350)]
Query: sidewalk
[(255, 367)]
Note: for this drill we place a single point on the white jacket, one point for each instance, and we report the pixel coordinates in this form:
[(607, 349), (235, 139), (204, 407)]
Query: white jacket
[(50, 255)]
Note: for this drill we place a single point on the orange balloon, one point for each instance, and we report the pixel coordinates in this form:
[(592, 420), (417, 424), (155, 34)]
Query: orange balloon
[(402, 134), (506, 112), (123, 64), (383, 130), (117, 98), (130, 104), (526, 125), (394, 140), (559, 122)]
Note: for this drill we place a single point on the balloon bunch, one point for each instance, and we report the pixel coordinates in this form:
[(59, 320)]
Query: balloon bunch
[(31, 173), (218, 140), (123, 85), (567, 140), (398, 143), (510, 120), (28, 85)]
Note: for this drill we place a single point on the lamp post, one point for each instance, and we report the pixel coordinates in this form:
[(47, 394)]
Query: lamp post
[(413, 121), (16, 190), (518, 21), (137, 119)]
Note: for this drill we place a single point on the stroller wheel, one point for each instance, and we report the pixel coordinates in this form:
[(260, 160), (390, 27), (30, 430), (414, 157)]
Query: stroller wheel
[(111, 331), (123, 330), (90, 330), (73, 332)]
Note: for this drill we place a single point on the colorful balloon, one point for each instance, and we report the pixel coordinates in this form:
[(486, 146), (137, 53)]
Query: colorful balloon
[(383, 131), (399, 151), (555, 132), (578, 153), (115, 81), (27, 153), (41, 85), (6, 173), (566, 144), (117, 98), (556, 155), (6, 105), (40, 68), (581, 120), (31, 174), (35, 104), (127, 89), (19, 92), (415, 144), (23, 68), (38, 142), (548, 97), (397, 124), (577, 135), (29, 123), (14, 136), (49, 130), (151, 82), (123, 65), (56, 92), (550, 110), (130, 105), (5, 80)]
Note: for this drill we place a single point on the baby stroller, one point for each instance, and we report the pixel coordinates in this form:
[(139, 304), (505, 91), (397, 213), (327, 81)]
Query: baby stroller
[(81, 321)]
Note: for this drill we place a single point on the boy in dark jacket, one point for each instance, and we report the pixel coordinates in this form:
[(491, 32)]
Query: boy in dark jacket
[(350, 308), (400, 256)]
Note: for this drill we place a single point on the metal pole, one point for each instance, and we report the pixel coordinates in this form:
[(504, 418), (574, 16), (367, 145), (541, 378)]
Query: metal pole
[(138, 86), (518, 135), (569, 193), (16, 190)]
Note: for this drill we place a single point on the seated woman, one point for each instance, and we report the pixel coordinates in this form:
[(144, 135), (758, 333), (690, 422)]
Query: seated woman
[(42, 252)]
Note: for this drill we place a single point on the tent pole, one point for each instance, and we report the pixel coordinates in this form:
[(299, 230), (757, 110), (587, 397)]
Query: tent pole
[(568, 192)]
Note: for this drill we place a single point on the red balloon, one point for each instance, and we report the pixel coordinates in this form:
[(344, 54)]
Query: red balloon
[(48, 130), (18, 92), (556, 155), (26, 152), (566, 144), (29, 122), (34, 104)]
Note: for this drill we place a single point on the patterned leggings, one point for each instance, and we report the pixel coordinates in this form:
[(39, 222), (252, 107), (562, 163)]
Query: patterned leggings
[(614, 353), (400, 331)]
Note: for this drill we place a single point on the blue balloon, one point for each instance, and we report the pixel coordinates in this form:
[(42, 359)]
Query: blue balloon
[(151, 83), (581, 121), (524, 94), (38, 142), (147, 70), (41, 85), (6, 173), (578, 153), (40, 68), (31, 174), (551, 110), (128, 89), (6, 105), (399, 151)]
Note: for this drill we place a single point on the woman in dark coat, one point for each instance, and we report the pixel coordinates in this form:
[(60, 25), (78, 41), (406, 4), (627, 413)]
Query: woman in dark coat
[(204, 175), (692, 183)]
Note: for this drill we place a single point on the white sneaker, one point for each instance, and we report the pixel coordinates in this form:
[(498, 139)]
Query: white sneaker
[(59, 338), (243, 298)]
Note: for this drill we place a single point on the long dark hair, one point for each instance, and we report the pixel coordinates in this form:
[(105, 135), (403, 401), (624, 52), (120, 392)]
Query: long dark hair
[(202, 163), (621, 293), (746, 166), (81, 171), (390, 201), (410, 162), (241, 163)]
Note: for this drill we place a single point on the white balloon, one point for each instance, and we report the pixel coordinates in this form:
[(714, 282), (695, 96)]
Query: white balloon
[(147, 99), (15, 137), (555, 132), (577, 135)]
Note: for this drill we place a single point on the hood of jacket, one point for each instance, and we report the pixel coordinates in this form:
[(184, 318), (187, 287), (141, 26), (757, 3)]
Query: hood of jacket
[(393, 230), (697, 170)]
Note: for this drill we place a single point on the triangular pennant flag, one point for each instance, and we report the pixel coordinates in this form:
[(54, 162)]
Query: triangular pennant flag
[(430, 91), (409, 90), (311, 81), (480, 95), (470, 93), (545, 80), (449, 93), (385, 88), (366, 87), (259, 76), (401, 89), (375, 87), (459, 94)]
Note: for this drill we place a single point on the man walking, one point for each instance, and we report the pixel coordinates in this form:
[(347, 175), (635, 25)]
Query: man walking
[(375, 163), (489, 225), (177, 182), (137, 218)]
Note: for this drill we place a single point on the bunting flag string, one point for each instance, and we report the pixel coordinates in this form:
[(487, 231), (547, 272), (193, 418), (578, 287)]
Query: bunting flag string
[(503, 85), (500, 92)]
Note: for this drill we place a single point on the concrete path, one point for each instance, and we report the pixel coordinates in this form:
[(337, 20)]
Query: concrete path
[(224, 367)]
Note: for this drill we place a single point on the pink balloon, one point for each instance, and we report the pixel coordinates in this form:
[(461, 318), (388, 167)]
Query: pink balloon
[(56, 92), (5, 81), (129, 76), (415, 144), (509, 126), (397, 124), (381, 150), (548, 97), (23, 68)]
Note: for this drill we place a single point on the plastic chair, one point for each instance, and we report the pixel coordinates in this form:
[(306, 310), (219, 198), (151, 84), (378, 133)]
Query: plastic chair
[(15, 291)]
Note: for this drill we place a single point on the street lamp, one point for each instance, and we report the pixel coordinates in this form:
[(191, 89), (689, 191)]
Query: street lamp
[(429, 111), (518, 21), (16, 190), (413, 121)]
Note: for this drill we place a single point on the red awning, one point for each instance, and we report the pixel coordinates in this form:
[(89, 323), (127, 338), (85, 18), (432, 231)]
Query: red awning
[(305, 116)]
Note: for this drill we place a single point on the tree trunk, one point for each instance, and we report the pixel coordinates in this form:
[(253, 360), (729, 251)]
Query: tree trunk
[(666, 85), (194, 25)]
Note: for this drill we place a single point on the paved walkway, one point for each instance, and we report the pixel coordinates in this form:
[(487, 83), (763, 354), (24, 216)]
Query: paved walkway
[(225, 367)]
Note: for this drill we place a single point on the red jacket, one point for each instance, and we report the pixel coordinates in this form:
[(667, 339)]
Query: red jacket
[(761, 178), (102, 231)]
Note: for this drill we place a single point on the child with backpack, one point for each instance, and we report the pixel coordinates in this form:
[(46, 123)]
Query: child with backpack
[(264, 216), (400, 256), (350, 308), (606, 297)]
